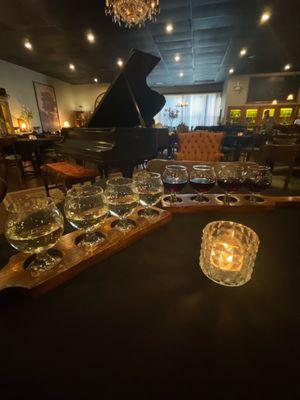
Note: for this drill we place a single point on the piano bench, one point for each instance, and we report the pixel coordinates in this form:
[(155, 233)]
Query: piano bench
[(68, 174)]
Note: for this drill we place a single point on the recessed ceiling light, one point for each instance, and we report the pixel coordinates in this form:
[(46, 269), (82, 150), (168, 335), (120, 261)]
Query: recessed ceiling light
[(181, 74), (290, 97), (28, 45), (243, 52), (169, 28), (90, 37), (95, 80), (72, 67), (231, 71), (265, 17), (287, 67), (177, 58), (120, 62)]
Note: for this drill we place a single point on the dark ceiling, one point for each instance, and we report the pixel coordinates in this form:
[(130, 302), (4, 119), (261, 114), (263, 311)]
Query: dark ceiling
[(208, 34)]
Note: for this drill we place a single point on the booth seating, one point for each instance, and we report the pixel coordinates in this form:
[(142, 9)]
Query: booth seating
[(66, 174), (200, 146)]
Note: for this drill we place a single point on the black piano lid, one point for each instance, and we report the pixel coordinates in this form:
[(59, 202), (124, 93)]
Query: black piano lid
[(129, 102)]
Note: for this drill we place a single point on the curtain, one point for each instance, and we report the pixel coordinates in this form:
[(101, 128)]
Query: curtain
[(194, 110)]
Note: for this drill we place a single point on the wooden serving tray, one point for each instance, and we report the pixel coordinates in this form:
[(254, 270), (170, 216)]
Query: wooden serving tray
[(214, 205), (76, 259)]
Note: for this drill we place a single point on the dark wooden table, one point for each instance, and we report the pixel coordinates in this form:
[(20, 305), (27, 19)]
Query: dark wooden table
[(147, 324)]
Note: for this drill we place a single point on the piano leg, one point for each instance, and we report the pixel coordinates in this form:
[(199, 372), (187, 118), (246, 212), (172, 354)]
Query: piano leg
[(103, 171), (127, 171), (46, 183)]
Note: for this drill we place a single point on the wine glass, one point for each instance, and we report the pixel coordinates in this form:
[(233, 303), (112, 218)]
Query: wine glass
[(150, 189), (230, 178), (34, 226), (258, 179), (86, 209), (175, 177), (122, 198), (202, 180)]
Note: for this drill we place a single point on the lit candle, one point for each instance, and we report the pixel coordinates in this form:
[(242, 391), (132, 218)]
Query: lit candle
[(228, 252)]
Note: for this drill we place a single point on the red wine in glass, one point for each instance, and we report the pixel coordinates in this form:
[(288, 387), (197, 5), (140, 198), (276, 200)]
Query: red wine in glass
[(230, 185), (175, 186), (202, 185), (257, 186), (175, 177)]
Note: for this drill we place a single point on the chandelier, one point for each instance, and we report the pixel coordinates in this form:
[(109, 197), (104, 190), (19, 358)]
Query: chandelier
[(132, 12)]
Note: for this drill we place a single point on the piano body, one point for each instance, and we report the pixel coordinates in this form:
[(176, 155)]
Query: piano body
[(118, 134)]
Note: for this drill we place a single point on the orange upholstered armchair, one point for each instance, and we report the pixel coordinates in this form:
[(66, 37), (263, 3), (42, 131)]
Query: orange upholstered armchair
[(200, 146)]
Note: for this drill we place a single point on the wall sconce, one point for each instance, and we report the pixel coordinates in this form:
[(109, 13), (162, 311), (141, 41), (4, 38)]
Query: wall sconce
[(228, 252), (238, 87)]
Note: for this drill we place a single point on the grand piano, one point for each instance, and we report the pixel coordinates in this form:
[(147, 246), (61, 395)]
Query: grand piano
[(119, 133)]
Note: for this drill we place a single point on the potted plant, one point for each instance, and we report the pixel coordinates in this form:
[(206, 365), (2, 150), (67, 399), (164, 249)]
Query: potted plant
[(172, 115), (2, 121), (26, 116)]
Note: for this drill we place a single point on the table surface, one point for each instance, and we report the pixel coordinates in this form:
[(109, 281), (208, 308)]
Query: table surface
[(148, 323)]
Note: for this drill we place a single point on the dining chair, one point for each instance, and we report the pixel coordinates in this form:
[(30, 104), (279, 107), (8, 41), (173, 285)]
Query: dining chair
[(200, 146), (285, 154), (30, 153), (10, 157), (3, 189)]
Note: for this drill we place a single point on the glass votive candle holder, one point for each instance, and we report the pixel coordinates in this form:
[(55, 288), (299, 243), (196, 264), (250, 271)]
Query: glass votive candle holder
[(228, 252)]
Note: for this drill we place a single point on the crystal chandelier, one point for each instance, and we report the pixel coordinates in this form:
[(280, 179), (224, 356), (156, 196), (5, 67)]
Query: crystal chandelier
[(132, 12)]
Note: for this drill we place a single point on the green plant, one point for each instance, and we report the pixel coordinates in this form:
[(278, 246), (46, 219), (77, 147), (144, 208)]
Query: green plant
[(171, 114), (26, 113)]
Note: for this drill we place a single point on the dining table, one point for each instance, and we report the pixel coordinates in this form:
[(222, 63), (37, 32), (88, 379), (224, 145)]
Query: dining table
[(146, 323)]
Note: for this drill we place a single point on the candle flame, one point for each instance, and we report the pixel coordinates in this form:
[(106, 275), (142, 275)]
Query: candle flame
[(227, 253)]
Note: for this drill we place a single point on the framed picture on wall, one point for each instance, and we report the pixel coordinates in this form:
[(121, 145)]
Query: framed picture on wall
[(47, 105)]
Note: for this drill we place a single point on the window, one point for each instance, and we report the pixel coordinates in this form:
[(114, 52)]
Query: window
[(194, 110)]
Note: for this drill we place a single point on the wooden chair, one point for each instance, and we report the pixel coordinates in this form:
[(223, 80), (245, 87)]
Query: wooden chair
[(30, 154), (200, 146), (67, 174), (50, 153), (10, 157), (272, 154), (3, 189)]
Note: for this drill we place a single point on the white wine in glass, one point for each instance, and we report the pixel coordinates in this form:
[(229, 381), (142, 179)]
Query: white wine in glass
[(150, 188), (86, 209), (122, 198), (34, 226)]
